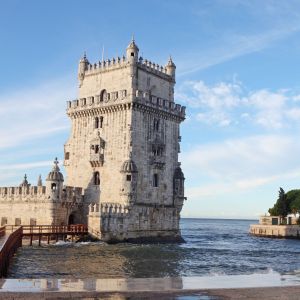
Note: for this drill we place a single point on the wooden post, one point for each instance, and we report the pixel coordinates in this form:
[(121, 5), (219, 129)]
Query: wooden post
[(40, 237)]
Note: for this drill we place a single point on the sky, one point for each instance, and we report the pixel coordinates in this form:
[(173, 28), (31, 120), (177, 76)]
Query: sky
[(237, 74)]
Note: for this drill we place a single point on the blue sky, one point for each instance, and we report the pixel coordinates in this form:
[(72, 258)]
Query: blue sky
[(237, 73)]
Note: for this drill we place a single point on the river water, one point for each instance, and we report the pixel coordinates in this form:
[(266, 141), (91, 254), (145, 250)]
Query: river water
[(213, 247)]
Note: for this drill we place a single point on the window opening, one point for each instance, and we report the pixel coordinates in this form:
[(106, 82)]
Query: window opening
[(96, 122), (155, 180), (67, 155), (96, 178)]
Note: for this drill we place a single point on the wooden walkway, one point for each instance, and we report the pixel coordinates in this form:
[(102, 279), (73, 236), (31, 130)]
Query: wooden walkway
[(11, 237), (51, 232)]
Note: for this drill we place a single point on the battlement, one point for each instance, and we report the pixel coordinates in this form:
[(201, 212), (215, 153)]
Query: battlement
[(122, 62), (108, 209), (140, 97), (72, 194), (73, 191), (154, 68), (22, 190)]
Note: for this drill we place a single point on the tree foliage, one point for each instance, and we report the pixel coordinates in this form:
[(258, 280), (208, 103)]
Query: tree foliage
[(287, 203)]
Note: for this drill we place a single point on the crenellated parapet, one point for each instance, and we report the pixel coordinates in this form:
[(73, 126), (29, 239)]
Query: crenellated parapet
[(108, 209), (164, 105), (94, 106), (154, 68), (112, 64), (23, 193), (38, 193), (72, 194)]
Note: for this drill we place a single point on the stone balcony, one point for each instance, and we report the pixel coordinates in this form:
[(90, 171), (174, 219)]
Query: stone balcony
[(96, 159), (158, 162)]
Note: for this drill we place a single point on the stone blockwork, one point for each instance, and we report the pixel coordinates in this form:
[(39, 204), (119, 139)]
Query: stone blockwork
[(52, 204), (122, 153), (123, 148), (276, 231)]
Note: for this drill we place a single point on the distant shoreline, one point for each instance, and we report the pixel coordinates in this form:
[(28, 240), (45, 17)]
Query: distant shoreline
[(207, 218)]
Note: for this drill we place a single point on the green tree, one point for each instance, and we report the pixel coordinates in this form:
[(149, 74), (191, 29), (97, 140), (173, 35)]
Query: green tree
[(293, 200), (281, 207)]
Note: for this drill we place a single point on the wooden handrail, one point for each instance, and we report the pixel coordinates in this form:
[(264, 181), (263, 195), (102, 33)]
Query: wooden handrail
[(13, 235), (2, 231), (40, 229), (8, 249)]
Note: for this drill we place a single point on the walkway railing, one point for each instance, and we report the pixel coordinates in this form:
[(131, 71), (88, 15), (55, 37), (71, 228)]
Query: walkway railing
[(12, 236), (2, 231), (51, 229), (8, 248)]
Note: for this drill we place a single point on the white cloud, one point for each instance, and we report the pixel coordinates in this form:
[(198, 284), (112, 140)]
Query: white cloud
[(22, 166), (296, 98), (277, 21), (34, 112), (241, 164), (225, 104)]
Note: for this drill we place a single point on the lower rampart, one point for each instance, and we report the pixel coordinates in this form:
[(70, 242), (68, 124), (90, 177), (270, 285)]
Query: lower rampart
[(276, 231), (116, 223)]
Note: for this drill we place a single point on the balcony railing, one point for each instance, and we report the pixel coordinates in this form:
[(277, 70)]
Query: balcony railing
[(96, 159)]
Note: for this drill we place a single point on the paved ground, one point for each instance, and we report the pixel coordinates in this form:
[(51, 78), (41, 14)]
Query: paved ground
[(277, 293)]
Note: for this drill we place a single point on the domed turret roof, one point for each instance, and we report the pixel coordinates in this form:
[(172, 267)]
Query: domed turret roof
[(129, 166), (133, 45), (178, 174), (25, 181), (171, 63), (84, 59), (55, 174)]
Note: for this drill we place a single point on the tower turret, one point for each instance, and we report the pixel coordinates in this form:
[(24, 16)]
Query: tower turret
[(54, 182), (132, 51), (25, 182), (129, 171), (178, 187), (83, 64), (40, 182), (171, 68)]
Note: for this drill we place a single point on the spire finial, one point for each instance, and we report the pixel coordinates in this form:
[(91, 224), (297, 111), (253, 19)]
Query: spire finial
[(132, 38), (84, 54), (55, 167), (40, 183), (24, 182)]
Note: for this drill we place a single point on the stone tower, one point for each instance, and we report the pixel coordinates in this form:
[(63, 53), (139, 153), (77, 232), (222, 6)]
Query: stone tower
[(123, 148)]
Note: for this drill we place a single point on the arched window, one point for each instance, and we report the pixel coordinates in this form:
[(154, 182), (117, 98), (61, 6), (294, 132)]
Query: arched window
[(53, 186), (96, 122), (103, 95), (156, 125), (155, 180), (96, 149), (96, 178)]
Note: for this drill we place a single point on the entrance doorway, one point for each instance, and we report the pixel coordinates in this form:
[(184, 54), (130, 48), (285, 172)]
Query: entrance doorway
[(71, 220)]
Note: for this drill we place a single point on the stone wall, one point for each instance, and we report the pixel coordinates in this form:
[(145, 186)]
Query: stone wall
[(37, 205), (287, 231), (111, 222)]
